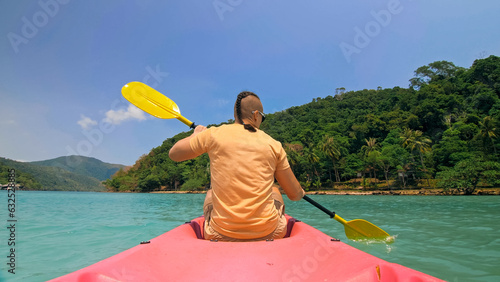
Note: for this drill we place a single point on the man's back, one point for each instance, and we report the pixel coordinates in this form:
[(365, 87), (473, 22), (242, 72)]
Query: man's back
[(242, 165)]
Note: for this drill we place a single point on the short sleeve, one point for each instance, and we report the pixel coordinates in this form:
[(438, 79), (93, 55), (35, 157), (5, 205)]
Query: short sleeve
[(201, 142)]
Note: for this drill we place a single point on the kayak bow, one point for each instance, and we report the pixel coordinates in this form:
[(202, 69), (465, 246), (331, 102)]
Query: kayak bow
[(306, 255)]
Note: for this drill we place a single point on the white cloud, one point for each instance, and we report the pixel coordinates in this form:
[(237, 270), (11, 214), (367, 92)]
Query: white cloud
[(117, 117), (222, 102), (86, 122), (8, 122)]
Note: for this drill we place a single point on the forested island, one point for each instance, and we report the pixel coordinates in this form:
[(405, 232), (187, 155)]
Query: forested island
[(69, 173), (440, 132)]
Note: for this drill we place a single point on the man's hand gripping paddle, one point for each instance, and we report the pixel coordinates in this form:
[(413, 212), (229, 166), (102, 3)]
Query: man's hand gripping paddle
[(153, 102)]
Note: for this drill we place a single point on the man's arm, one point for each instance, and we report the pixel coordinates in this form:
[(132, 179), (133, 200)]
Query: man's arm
[(289, 184), (181, 150)]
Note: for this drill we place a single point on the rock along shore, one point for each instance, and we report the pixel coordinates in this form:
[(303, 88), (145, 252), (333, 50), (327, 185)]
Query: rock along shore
[(409, 192)]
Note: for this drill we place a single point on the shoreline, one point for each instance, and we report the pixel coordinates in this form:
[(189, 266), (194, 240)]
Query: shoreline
[(409, 192)]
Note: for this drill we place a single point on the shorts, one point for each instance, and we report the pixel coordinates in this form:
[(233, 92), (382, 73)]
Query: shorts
[(278, 233)]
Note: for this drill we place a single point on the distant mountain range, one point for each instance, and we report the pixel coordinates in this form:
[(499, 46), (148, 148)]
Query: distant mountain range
[(82, 165), (70, 173)]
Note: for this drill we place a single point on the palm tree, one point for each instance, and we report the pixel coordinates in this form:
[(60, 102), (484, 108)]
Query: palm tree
[(488, 131), (332, 148), (293, 153), (415, 141), (371, 145), (370, 156), (311, 158)]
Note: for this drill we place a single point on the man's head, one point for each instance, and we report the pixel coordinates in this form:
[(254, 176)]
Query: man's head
[(247, 109)]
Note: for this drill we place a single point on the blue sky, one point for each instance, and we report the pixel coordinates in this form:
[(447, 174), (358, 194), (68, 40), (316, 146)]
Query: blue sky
[(63, 62)]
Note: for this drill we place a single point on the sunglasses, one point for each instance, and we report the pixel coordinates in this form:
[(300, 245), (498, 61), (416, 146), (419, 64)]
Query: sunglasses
[(261, 113)]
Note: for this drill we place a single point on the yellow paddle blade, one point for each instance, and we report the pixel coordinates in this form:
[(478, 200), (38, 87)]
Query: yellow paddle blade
[(360, 229), (150, 100)]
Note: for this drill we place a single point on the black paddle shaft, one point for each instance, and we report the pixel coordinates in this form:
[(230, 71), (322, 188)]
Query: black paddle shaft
[(325, 210)]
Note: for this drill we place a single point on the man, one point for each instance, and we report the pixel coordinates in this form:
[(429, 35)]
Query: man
[(243, 204)]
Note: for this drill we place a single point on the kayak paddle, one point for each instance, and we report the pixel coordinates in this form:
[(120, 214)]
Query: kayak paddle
[(357, 229), (153, 102)]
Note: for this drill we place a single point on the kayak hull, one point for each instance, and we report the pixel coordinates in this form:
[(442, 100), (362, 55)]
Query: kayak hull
[(307, 255)]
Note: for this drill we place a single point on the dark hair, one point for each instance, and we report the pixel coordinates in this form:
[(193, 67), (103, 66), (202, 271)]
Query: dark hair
[(237, 106)]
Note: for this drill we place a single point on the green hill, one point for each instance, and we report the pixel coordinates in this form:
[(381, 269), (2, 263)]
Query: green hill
[(82, 165), (74, 173), (22, 178), (441, 131)]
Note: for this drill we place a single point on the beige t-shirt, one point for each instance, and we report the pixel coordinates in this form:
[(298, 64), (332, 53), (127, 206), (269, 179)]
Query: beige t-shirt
[(242, 165)]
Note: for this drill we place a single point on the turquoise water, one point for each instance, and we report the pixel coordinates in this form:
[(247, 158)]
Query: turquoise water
[(453, 238)]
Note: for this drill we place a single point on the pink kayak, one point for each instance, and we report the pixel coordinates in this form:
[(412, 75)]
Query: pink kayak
[(306, 254)]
